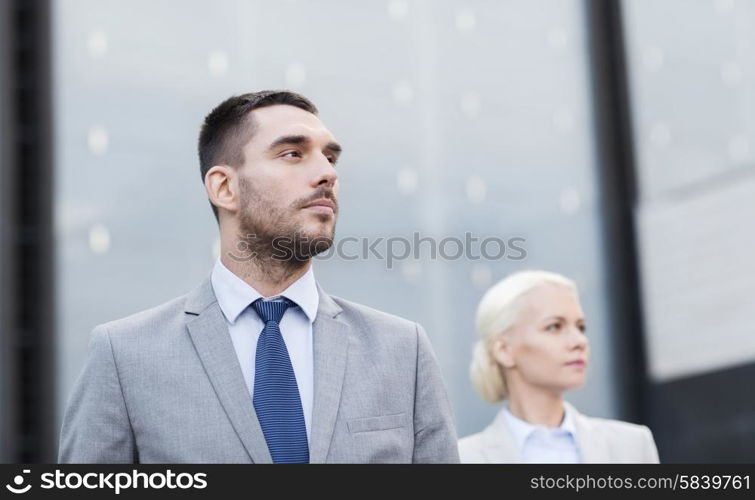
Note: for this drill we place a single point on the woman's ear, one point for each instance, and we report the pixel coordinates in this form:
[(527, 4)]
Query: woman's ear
[(221, 186), (502, 352)]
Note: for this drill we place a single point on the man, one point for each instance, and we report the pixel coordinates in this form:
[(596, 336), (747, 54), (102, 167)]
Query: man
[(259, 364)]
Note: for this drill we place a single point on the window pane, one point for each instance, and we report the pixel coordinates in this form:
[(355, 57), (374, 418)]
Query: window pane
[(455, 119), (694, 115)]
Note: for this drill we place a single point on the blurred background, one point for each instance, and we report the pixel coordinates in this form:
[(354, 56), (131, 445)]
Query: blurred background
[(615, 137)]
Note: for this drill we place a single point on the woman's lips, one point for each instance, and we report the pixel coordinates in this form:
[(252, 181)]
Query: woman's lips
[(577, 364)]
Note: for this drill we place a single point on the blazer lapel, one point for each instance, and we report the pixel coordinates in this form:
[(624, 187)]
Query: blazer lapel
[(592, 447), (499, 445), (209, 333), (330, 346)]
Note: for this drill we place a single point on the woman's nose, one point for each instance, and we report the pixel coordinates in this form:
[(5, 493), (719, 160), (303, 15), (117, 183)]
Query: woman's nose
[(577, 338)]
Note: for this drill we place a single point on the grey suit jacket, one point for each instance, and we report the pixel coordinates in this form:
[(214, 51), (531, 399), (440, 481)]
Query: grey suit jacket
[(599, 440), (165, 386)]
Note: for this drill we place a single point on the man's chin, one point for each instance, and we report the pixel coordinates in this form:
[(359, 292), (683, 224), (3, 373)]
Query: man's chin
[(319, 230), (319, 242)]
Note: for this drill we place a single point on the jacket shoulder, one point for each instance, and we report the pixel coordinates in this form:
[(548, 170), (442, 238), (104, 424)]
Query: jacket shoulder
[(154, 318), (618, 427), (371, 317), (626, 441)]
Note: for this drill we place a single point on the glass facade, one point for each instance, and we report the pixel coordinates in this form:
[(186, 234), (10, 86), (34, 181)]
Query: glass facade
[(691, 78), (454, 120)]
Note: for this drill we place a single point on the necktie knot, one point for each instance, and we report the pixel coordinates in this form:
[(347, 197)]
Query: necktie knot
[(271, 310)]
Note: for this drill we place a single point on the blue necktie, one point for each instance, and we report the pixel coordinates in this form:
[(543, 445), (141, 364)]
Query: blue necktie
[(276, 395)]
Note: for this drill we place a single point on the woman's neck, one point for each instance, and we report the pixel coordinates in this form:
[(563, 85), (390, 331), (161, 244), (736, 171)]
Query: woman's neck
[(538, 407)]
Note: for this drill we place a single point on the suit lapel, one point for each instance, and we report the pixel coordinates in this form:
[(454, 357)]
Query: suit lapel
[(592, 447), (209, 333), (500, 447), (330, 346)]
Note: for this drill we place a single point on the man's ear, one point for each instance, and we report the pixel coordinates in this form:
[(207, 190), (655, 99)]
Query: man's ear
[(502, 352), (222, 187)]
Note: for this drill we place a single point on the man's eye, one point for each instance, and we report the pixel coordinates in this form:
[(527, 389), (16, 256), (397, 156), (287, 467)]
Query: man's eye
[(291, 154), (332, 160), (554, 326)]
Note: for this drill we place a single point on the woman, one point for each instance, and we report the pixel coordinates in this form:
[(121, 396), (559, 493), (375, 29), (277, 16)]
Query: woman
[(532, 349)]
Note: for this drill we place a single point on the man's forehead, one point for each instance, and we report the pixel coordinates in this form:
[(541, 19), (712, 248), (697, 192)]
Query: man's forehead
[(272, 122)]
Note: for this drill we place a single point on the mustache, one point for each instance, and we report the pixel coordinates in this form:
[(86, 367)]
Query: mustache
[(321, 193)]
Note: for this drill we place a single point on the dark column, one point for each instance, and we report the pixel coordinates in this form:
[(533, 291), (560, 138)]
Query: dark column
[(615, 152), (27, 285)]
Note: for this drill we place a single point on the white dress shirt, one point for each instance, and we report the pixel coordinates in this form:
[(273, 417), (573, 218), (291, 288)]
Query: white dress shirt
[(244, 325), (540, 444)]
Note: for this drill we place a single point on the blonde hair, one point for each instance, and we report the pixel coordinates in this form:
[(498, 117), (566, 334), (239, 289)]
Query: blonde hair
[(496, 314)]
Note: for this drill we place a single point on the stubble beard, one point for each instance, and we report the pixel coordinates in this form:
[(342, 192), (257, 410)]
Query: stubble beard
[(272, 237)]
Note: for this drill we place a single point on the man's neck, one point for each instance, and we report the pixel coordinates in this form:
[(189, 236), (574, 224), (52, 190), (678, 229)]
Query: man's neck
[(270, 277)]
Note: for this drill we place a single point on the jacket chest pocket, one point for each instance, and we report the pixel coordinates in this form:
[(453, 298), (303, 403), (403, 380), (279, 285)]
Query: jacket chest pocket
[(382, 423)]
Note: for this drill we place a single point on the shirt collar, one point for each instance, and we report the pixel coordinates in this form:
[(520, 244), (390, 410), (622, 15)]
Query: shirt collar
[(522, 430), (234, 294)]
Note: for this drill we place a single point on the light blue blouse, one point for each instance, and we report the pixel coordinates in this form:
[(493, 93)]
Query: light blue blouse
[(540, 444)]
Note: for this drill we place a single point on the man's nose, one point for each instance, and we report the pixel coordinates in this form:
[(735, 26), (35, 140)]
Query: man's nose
[(326, 172)]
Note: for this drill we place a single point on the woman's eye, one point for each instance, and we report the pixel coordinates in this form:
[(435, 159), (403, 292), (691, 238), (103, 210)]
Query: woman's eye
[(554, 327), (582, 328)]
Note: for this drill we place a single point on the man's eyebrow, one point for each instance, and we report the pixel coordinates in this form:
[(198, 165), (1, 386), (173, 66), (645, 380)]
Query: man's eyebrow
[(334, 147), (294, 140), (299, 140)]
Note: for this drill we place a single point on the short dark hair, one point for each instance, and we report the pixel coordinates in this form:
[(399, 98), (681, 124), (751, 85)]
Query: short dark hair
[(229, 127)]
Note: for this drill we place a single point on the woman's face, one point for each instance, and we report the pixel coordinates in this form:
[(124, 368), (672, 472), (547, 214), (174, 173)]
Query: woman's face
[(547, 347)]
